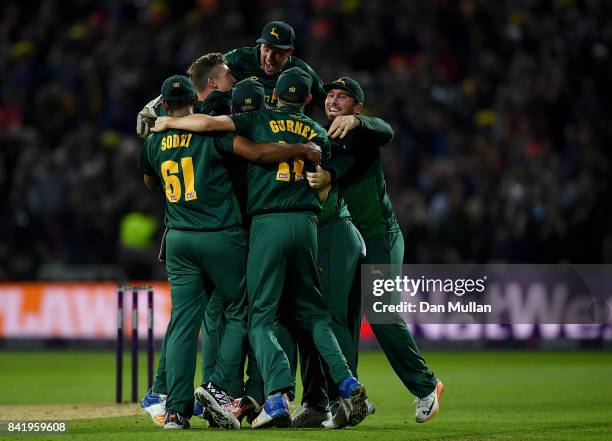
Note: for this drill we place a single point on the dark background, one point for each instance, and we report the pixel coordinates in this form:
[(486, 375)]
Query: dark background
[(501, 113)]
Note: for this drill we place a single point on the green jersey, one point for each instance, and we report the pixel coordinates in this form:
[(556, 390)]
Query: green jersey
[(216, 103), (213, 105), (196, 184), (282, 186), (339, 164), (363, 187), (245, 63)]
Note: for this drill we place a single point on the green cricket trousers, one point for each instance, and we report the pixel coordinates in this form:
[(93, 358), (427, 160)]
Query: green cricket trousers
[(340, 254), (198, 263), (395, 339), (212, 330), (212, 325), (282, 268)]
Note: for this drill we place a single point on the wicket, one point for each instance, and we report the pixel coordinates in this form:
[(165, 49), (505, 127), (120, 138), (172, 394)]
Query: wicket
[(134, 343)]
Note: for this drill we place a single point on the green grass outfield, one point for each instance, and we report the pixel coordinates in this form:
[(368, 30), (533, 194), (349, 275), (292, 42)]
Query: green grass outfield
[(514, 395)]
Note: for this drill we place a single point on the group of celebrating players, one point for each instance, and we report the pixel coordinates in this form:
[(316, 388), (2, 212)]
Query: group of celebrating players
[(268, 219)]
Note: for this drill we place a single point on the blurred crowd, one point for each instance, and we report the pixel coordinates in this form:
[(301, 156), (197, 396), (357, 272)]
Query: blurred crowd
[(502, 112)]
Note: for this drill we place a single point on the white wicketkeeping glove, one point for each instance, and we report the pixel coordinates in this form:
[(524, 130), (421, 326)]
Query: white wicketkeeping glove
[(146, 118)]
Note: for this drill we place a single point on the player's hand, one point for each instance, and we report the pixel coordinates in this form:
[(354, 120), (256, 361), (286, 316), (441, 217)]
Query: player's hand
[(341, 125), (146, 118), (319, 178), (161, 124), (311, 152)]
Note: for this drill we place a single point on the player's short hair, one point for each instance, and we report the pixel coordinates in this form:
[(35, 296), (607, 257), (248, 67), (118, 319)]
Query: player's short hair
[(203, 68), (290, 105), (180, 103)]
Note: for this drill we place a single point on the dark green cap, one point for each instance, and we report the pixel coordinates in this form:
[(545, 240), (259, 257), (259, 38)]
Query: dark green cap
[(278, 34), (293, 85), (348, 84), (177, 87), (217, 103), (248, 95)]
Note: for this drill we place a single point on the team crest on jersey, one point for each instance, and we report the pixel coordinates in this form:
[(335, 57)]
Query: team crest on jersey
[(274, 33), (254, 78)]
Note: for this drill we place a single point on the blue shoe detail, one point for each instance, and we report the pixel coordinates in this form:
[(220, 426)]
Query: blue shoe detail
[(276, 406), (347, 386), (275, 413), (150, 399), (198, 409), (155, 405)]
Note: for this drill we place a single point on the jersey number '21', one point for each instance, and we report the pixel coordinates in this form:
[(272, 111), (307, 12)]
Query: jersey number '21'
[(169, 169)]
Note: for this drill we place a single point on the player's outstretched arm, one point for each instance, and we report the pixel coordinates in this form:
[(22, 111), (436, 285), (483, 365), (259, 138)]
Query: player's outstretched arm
[(374, 131), (275, 152), (195, 123)]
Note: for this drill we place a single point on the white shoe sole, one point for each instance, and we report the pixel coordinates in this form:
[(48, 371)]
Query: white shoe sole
[(157, 412), (436, 407), (220, 415), (174, 426), (282, 421)]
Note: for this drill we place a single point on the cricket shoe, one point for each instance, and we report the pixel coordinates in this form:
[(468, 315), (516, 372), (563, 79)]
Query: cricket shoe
[(427, 407), (155, 405), (254, 413), (245, 407), (354, 399), (275, 412), (201, 411), (218, 404), (308, 417), (339, 420), (175, 420)]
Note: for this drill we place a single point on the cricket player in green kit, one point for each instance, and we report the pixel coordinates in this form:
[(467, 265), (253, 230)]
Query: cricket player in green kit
[(212, 80), (206, 250), (153, 403), (341, 250), (283, 248), (247, 95), (266, 61), (364, 190)]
